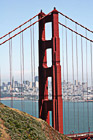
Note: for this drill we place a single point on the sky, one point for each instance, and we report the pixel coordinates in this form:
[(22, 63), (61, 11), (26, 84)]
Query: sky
[(15, 12)]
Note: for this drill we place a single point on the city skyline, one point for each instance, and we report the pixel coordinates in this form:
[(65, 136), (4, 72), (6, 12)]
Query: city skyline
[(73, 92)]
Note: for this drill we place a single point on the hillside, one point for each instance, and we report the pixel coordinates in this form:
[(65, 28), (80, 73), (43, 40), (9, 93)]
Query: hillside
[(17, 125)]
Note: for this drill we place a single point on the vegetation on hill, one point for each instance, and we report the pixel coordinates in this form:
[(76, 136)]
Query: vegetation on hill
[(17, 125)]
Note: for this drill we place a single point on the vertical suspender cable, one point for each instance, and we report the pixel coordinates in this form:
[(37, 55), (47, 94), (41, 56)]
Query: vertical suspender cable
[(91, 65), (10, 63), (31, 65), (63, 78), (33, 73), (21, 66), (32, 77), (91, 73), (11, 77), (77, 73), (23, 105), (34, 70), (34, 54), (87, 84), (67, 72), (82, 78), (73, 81)]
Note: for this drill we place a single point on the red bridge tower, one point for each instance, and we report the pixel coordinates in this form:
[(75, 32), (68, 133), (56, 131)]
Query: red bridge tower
[(56, 104)]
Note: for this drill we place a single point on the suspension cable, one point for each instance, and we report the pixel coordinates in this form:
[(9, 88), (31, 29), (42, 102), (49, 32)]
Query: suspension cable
[(31, 65), (32, 73), (43, 17), (91, 72), (73, 81), (33, 56), (67, 71), (77, 72), (21, 76), (31, 50), (82, 78), (23, 105), (34, 69), (25, 28), (76, 32), (63, 78), (19, 26), (11, 76), (87, 83), (91, 65), (76, 22), (10, 63)]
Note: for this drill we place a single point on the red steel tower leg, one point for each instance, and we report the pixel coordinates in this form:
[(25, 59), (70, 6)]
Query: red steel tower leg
[(56, 104), (43, 80)]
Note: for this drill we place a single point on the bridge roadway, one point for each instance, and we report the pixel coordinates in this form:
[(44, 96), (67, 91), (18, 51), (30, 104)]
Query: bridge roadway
[(81, 136)]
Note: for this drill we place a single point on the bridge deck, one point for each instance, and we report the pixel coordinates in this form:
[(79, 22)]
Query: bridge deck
[(79, 136)]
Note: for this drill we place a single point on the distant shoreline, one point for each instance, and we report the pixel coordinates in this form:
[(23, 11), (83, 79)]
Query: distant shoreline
[(11, 98), (19, 99)]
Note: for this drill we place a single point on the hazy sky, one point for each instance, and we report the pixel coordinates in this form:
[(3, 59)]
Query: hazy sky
[(15, 12)]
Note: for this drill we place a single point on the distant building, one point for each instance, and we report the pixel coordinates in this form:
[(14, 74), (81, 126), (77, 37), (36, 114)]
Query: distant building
[(8, 83), (3, 84), (26, 83), (36, 78), (76, 82), (30, 84), (33, 84), (16, 83)]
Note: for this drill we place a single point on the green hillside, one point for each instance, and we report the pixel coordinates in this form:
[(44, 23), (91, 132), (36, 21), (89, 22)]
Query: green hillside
[(17, 125)]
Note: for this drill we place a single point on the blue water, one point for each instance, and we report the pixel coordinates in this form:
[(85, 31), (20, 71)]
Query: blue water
[(72, 112)]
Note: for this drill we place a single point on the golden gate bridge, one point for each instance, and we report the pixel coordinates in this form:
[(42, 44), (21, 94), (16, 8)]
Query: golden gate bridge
[(71, 60)]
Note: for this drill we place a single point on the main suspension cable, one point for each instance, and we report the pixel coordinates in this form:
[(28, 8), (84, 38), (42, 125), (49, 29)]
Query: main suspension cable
[(25, 28), (76, 22), (19, 26), (76, 32)]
